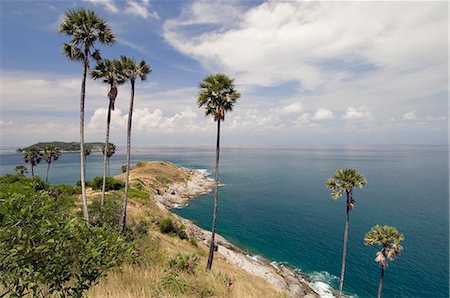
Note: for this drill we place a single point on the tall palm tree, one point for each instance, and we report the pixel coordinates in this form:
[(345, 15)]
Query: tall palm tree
[(34, 156), (111, 151), (389, 239), (21, 170), (131, 71), (110, 71), (345, 180), (85, 28), (51, 153), (217, 95)]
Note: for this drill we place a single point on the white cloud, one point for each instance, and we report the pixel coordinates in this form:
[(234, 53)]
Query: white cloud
[(311, 42), (146, 120), (109, 5), (4, 123), (294, 107), (140, 8), (360, 113), (323, 114), (410, 115)]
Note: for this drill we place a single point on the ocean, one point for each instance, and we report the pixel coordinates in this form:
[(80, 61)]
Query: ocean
[(274, 204)]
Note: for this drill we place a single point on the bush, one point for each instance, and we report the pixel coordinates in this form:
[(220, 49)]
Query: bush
[(111, 212), (193, 241), (111, 183), (46, 251), (184, 262), (166, 226), (140, 164), (123, 169)]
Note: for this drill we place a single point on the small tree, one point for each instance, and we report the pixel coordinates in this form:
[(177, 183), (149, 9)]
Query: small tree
[(51, 154), (33, 156), (21, 170), (110, 153), (389, 239)]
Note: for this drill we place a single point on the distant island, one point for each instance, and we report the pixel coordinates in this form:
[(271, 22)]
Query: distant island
[(66, 146)]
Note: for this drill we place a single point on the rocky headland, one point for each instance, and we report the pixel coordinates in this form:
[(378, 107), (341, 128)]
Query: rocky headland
[(172, 187)]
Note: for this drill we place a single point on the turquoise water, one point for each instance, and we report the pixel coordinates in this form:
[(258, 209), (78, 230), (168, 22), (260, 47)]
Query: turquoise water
[(274, 204)]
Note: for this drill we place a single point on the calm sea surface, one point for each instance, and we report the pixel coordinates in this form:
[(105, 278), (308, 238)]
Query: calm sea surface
[(274, 204)]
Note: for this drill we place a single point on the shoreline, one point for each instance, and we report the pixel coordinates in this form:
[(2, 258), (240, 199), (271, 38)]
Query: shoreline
[(281, 277)]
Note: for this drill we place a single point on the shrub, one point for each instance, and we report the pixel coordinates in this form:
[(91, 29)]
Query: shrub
[(140, 164), (184, 262), (111, 212), (46, 251), (173, 284), (193, 241), (123, 169), (167, 226), (111, 183)]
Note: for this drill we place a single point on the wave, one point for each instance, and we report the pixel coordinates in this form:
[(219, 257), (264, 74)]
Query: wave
[(322, 283), (180, 206), (204, 172)]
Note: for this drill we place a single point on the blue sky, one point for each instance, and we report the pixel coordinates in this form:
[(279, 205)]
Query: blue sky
[(310, 73)]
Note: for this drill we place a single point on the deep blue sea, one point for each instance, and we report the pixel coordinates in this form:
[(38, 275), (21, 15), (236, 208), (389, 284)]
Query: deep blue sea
[(274, 204)]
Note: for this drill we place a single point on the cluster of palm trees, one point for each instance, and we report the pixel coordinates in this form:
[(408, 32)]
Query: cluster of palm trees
[(34, 155), (345, 181), (86, 29), (217, 96)]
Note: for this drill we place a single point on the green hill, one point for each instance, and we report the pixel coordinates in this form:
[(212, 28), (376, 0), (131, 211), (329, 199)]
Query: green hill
[(66, 146)]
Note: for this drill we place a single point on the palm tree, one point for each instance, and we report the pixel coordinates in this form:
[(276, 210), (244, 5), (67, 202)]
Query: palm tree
[(345, 180), (21, 170), (33, 156), (85, 28), (109, 154), (389, 239), (110, 71), (131, 71), (217, 95), (51, 153)]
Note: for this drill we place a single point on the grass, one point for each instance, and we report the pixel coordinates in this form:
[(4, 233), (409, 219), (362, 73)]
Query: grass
[(152, 273)]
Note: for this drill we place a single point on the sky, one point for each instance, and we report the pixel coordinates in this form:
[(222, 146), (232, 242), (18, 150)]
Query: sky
[(309, 72)]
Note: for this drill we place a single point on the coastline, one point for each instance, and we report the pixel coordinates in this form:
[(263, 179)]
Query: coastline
[(281, 277)]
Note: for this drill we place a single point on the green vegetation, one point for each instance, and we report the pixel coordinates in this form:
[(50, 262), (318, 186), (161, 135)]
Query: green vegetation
[(21, 170), (389, 239), (345, 180), (167, 226), (50, 154), (64, 146), (33, 156), (218, 96), (184, 262), (45, 249)]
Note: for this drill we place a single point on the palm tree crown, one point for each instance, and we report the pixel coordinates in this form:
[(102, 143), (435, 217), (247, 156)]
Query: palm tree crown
[(110, 72), (85, 28), (389, 239), (132, 70), (217, 95), (345, 180)]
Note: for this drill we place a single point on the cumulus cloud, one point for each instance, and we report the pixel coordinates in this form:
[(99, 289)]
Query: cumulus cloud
[(410, 115), (323, 114), (360, 113), (146, 120), (311, 42), (4, 123), (109, 5), (294, 107), (140, 8)]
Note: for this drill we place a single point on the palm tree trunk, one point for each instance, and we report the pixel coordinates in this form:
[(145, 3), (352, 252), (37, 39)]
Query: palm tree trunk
[(105, 159), (344, 251), (123, 218), (109, 170), (48, 168), (380, 287), (83, 94), (216, 193), (32, 171)]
